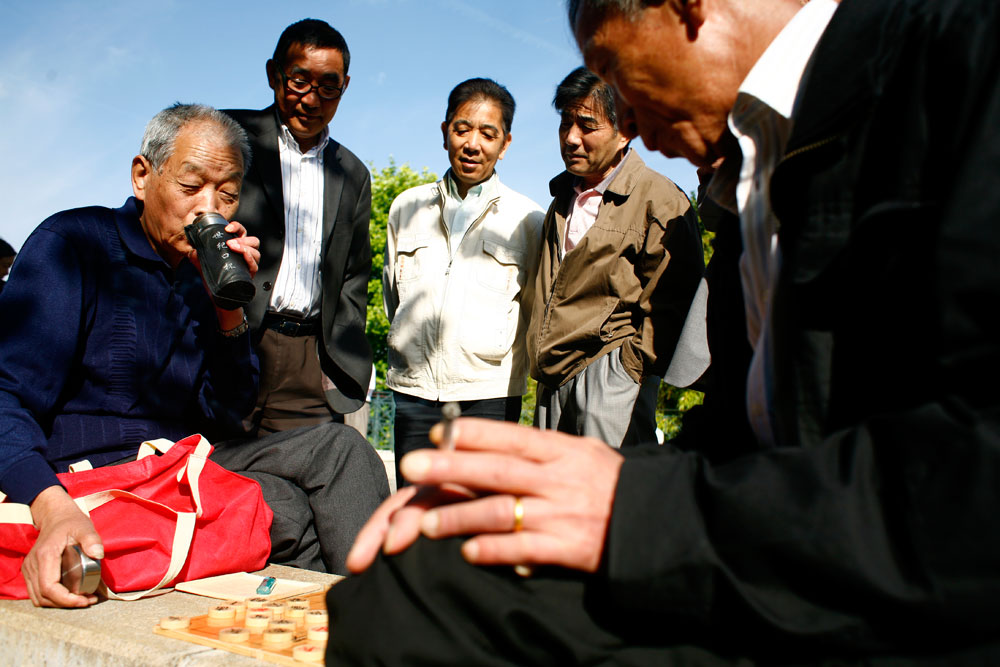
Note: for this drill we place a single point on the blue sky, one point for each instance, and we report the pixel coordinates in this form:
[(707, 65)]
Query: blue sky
[(79, 81)]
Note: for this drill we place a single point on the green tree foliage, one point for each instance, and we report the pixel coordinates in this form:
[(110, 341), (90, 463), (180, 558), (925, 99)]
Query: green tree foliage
[(387, 184), (528, 403)]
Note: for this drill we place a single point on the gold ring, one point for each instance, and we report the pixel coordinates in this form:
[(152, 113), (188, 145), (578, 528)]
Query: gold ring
[(518, 514)]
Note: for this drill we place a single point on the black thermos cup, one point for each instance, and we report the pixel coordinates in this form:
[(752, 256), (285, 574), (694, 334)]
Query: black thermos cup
[(226, 273)]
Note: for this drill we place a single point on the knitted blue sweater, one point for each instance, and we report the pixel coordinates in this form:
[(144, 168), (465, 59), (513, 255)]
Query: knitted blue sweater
[(103, 346)]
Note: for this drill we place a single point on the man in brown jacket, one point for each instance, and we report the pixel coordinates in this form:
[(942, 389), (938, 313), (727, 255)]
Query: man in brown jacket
[(621, 261)]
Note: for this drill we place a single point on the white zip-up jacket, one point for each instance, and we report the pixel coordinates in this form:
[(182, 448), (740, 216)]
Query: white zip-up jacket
[(457, 326)]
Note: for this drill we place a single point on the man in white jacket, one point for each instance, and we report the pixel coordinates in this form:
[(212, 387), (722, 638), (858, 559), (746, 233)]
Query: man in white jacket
[(457, 258)]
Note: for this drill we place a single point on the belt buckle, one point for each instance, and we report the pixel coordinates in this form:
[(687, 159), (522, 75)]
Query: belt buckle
[(288, 328)]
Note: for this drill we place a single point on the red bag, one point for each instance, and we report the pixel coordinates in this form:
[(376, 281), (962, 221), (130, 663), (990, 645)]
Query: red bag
[(163, 519)]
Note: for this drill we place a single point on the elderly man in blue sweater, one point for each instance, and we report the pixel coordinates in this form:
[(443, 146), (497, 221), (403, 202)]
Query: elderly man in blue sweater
[(113, 340)]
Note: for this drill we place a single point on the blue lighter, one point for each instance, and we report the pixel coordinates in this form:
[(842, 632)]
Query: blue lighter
[(266, 586)]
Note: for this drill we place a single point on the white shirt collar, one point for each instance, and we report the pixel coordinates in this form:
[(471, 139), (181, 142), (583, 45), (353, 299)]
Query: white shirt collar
[(775, 80), (775, 77), (289, 141)]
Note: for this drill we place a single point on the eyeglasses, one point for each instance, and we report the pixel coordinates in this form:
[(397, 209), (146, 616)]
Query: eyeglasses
[(303, 87)]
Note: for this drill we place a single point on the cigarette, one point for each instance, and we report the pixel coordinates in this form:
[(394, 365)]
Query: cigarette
[(450, 411)]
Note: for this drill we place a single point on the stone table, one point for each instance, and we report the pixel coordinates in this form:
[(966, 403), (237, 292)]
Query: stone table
[(117, 633)]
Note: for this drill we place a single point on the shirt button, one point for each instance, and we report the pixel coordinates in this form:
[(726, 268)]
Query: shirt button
[(267, 286)]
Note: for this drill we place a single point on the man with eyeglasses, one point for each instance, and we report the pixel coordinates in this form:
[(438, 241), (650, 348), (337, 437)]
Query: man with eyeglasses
[(308, 199)]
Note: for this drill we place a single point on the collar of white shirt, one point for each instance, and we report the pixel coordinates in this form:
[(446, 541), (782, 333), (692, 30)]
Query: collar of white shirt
[(775, 77), (289, 141), (775, 80)]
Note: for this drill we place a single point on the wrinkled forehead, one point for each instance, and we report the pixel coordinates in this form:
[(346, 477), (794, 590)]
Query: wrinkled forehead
[(478, 112), (200, 144), (322, 62), (586, 108)]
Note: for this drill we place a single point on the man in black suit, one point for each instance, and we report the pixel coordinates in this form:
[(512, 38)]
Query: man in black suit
[(308, 199), (858, 524)]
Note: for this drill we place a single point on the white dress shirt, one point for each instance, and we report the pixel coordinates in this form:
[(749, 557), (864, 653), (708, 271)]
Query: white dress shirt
[(297, 288), (761, 120)]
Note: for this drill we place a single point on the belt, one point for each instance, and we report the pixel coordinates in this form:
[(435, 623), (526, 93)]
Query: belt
[(288, 326)]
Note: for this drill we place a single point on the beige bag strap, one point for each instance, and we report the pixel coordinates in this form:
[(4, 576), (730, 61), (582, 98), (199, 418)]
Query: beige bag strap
[(184, 532), (193, 468), (15, 512), (12, 512), (147, 448), (179, 548), (150, 447)]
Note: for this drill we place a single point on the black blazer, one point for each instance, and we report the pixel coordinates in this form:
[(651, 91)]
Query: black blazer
[(344, 352)]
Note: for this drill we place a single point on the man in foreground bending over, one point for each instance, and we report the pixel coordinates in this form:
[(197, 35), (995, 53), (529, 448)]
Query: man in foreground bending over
[(861, 144)]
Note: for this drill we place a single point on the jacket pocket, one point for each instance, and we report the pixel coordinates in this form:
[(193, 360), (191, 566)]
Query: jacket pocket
[(406, 341), (500, 268), (491, 320), (412, 263)]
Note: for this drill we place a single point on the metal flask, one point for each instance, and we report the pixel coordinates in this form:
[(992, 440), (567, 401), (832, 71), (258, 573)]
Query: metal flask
[(81, 574)]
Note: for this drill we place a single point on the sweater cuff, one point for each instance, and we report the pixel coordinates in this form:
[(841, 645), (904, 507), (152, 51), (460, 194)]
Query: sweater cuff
[(27, 478)]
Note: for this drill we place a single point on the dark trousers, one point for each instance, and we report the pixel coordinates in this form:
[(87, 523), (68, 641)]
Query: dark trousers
[(427, 606), (439, 610), (321, 482), (415, 417)]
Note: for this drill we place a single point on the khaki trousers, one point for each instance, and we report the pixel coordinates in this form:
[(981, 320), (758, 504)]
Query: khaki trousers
[(291, 385)]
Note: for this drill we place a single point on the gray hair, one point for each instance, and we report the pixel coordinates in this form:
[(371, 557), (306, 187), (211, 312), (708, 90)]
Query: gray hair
[(161, 133)]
